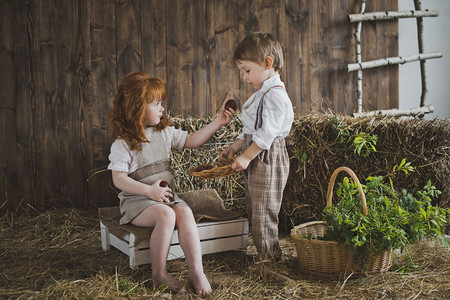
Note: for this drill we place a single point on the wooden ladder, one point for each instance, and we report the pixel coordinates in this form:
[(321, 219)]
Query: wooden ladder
[(359, 65)]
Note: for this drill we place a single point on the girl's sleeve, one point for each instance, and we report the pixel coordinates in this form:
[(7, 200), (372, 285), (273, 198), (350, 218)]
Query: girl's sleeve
[(120, 157), (178, 137)]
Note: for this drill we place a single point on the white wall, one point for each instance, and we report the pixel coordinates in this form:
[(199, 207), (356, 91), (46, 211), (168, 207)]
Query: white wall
[(436, 39)]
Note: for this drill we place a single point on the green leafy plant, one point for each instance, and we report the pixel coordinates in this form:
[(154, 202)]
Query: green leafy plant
[(362, 142), (404, 167), (341, 131), (124, 285), (302, 157), (395, 219), (365, 143)]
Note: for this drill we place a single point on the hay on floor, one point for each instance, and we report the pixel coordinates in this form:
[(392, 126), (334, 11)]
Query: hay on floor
[(57, 255)]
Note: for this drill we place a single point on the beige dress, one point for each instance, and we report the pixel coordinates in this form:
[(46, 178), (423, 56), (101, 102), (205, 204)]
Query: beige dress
[(152, 164)]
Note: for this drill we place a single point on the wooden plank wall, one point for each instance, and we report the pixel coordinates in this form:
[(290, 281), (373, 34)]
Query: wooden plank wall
[(61, 62)]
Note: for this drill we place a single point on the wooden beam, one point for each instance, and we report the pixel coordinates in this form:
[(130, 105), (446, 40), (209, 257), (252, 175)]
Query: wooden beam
[(358, 57), (392, 15), (411, 112), (391, 61), (423, 76)]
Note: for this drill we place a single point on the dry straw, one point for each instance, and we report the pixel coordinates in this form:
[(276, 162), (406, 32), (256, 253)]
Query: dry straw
[(230, 188), (57, 254)]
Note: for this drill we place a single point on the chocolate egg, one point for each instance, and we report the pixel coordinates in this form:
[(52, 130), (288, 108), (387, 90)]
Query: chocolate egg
[(164, 183), (231, 104)]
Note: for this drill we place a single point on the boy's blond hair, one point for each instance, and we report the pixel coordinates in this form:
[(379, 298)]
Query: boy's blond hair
[(256, 46)]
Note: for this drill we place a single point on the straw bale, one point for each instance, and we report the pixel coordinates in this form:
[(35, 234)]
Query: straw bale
[(424, 143), (230, 188)]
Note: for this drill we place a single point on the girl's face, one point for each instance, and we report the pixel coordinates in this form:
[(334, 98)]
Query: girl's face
[(253, 73), (153, 113)]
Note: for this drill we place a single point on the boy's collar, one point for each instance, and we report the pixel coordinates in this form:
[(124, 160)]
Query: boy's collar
[(268, 83)]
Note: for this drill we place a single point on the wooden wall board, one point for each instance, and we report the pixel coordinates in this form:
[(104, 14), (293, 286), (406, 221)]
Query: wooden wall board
[(293, 53), (227, 16), (154, 60), (104, 87), (25, 68), (8, 117), (128, 37)]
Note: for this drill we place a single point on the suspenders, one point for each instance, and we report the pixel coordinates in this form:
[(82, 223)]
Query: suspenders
[(259, 120)]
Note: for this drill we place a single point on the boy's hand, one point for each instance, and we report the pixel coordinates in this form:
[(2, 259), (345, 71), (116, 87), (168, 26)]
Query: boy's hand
[(227, 153), (241, 163)]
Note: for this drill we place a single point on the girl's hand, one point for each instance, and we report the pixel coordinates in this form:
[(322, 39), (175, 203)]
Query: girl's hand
[(160, 194), (224, 117), (241, 163)]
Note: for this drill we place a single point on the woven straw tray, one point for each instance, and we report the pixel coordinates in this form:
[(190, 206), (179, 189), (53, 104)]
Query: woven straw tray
[(214, 170)]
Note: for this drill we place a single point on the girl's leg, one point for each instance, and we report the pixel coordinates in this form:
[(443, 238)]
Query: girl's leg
[(162, 219), (190, 243)]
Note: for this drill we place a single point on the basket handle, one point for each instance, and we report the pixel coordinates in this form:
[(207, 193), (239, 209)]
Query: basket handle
[(360, 190)]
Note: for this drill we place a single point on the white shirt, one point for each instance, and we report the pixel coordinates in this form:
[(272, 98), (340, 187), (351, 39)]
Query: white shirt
[(277, 113), (122, 159)]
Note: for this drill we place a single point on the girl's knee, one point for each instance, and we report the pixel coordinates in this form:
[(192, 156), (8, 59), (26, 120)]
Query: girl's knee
[(166, 215), (184, 212)]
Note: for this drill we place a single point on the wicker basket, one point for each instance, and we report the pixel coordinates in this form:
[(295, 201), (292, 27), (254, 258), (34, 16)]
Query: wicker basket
[(219, 168), (328, 259)]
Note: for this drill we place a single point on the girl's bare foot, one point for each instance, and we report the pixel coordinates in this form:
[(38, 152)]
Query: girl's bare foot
[(172, 284), (200, 283)]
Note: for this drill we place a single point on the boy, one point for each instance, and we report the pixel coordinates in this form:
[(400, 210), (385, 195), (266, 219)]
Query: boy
[(267, 117)]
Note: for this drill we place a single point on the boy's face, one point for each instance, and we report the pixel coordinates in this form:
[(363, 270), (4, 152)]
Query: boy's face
[(153, 113), (253, 73)]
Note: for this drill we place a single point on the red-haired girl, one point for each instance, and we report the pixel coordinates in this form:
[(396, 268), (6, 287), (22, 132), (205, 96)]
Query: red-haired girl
[(139, 161)]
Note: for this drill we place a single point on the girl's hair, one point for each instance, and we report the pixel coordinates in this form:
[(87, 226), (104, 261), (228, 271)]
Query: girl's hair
[(256, 46), (136, 90)]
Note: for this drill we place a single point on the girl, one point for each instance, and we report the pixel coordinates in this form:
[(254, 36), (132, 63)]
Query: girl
[(139, 161), (267, 117)]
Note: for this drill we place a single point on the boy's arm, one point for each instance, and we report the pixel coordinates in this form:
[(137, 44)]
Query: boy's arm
[(201, 136), (232, 149), (127, 184), (243, 160)]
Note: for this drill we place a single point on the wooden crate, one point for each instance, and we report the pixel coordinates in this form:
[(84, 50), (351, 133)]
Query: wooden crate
[(216, 236)]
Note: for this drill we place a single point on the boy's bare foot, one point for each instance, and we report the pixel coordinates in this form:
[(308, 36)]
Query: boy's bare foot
[(172, 284), (201, 284)]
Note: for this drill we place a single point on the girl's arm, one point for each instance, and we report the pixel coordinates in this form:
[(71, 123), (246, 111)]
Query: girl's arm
[(127, 184), (201, 136)]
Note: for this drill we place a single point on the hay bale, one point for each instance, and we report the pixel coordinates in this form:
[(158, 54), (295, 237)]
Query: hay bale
[(230, 188), (325, 141)]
